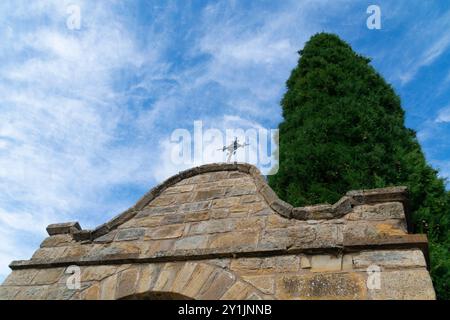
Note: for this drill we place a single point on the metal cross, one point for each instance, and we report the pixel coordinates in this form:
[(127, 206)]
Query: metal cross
[(231, 149)]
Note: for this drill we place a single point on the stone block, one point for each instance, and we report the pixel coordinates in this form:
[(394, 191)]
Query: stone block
[(127, 282), (148, 275), (250, 199), (219, 213), (197, 216), (97, 273), (91, 293), (63, 228), (8, 293), (389, 259), (212, 226), (312, 286), (57, 240), (108, 288), (167, 276), (146, 222), (305, 262), (179, 189), (106, 238), (156, 211), (404, 285), (163, 200), (209, 194), (225, 202), (283, 208), (325, 263), (199, 277), (183, 276), (32, 293), (215, 287), (165, 232), (237, 240), (241, 190), (130, 234), (48, 276), (262, 266), (238, 291), (173, 218), (159, 247), (266, 283), (192, 242), (251, 223), (195, 206), (379, 211), (20, 277), (274, 221)]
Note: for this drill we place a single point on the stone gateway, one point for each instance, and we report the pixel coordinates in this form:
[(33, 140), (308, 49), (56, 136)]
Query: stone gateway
[(218, 231)]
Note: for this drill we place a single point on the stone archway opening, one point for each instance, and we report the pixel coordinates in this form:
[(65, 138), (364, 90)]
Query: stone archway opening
[(157, 295)]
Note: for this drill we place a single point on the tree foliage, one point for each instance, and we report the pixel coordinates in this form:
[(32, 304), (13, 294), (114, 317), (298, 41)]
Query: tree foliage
[(344, 129)]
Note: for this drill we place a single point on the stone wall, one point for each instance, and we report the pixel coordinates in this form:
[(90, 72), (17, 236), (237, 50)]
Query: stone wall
[(219, 232)]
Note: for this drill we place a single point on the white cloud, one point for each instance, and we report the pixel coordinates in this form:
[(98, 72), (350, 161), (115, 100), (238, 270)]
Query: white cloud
[(62, 119), (443, 115)]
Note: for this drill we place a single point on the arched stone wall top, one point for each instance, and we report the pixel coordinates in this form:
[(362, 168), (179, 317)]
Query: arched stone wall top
[(284, 209)]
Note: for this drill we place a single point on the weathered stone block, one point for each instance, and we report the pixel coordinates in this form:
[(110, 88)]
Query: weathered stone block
[(197, 216), (217, 285), (165, 232), (183, 276), (148, 275), (8, 293), (20, 277), (127, 282), (270, 265), (192, 242), (179, 189), (48, 276), (155, 211), (324, 263), (238, 291), (212, 226), (200, 275), (404, 285), (195, 206), (266, 283), (91, 293), (166, 277), (379, 211), (238, 240), (57, 240), (389, 259), (209, 194), (251, 223), (63, 228), (225, 202), (106, 238), (241, 190), (108, 288), (322, 286), (173, 218), (97, 273), (130, 234)]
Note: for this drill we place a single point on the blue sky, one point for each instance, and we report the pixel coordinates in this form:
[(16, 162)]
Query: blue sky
[(86, 115)]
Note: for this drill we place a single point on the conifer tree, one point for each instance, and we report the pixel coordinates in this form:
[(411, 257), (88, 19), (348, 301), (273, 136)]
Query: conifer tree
[(344, 129)]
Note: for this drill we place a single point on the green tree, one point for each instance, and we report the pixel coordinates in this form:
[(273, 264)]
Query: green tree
[(344, 129)]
